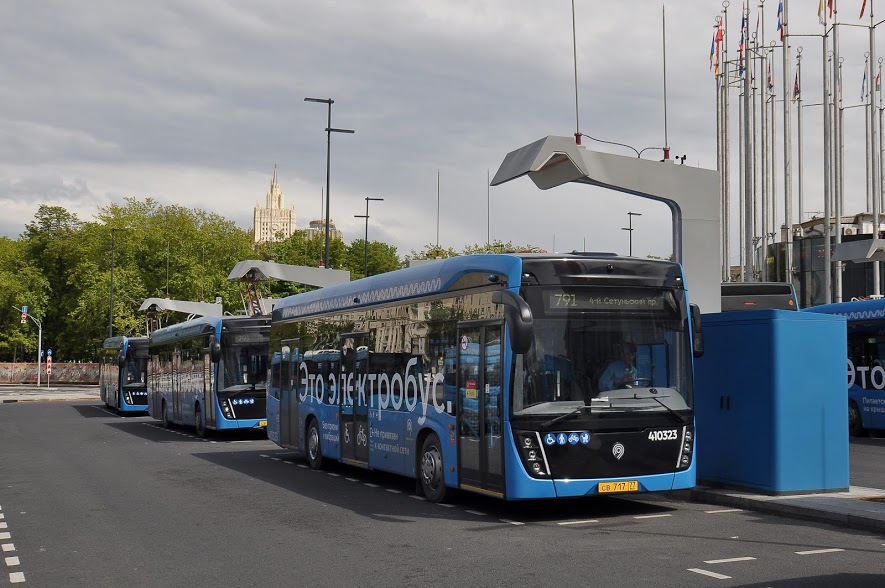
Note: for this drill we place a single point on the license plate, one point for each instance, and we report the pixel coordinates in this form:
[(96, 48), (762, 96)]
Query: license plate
[(262, 423), (625, 486)]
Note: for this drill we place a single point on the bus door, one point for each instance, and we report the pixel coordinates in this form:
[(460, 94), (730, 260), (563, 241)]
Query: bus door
[(210, 398), (480, 404), (288, 393), (177, 396), (353, 405)]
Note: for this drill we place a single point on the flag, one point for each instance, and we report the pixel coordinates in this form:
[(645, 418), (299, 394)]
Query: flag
[(863, 7), (741, 44), (878, 83), (718, 44), (712, 51), (796, 87), (770, 81), (821, 15), (863, 86), (780, 19)]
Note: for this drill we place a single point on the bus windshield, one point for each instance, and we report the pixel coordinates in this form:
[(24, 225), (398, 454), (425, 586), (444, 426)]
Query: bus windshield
[(243, 367), (617, 352), (136, 370)]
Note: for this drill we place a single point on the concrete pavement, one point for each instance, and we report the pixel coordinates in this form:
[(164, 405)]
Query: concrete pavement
[(858, 508)]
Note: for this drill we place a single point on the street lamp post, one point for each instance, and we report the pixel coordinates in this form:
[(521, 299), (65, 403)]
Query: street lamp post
[(329, 131), (111, 296), (366, 240), (629, 228), (39, 340)]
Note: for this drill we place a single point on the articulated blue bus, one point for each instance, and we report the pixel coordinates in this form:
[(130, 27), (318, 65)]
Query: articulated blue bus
[(481, 373), (210, 373), (122, 375), (866, 361)]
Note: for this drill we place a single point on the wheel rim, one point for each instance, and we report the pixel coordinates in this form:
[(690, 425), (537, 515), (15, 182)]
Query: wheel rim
[(431, 467), (313, 444)]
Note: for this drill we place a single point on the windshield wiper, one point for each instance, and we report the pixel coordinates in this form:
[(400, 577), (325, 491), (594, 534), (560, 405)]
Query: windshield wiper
[(682, 420), (562, 417)]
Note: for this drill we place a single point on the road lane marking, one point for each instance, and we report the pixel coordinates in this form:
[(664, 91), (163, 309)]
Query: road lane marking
[(3, 525), (8, 547), (394, 491), (301, 465), (509, 522), (352, 479), (578, 522), (657, 516), (12, 561), (709, 573), (370, 485), (729, 560), (16, 577), (334, 475), (2, 516), (445, 505), (476, 512), (818, 551), (276, 459), (724, 510), (416, 497), (5, 536)]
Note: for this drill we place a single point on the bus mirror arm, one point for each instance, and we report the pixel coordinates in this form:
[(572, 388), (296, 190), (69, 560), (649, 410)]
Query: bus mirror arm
[(121, 360), (697, 332), (519, 319)]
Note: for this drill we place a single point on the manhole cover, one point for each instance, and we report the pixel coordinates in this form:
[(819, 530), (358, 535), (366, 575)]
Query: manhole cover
[(874, 499)]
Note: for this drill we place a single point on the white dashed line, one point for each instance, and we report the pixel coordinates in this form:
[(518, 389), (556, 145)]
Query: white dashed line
[(5, 536), (16, 577), (416, 497), (3, 525), (394, 491), (724, 510), (370, 485), (352, 479), (709, 573), (657, 516), (2, 516), (818, 551), (8, 547), (578, 522), (445, 505), (12, 561), (301, 465), (476, 512), (509, 522), (729, 560), (276, 459), (334, 475)]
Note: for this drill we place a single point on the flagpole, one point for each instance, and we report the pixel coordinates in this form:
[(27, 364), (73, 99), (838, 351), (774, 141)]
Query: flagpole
[(869, 149), (748, 153), (788, 151), (828, 289), (726, 184), (742, 183), (754, 154), (763, 135), (773, 200), (719, 154), (799, 133), (876, 182), (838, 154)]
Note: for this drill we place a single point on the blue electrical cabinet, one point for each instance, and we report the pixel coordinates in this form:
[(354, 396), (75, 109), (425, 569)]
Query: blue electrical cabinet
[(771, 400)]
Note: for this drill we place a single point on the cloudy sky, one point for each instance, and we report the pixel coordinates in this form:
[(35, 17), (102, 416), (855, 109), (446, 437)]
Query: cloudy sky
[(193, 102)]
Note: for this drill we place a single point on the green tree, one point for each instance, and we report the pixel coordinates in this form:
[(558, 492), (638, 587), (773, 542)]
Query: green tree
[(381, 258)]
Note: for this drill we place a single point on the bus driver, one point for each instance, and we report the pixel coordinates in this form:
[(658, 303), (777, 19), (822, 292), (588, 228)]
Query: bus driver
[(622, 371)]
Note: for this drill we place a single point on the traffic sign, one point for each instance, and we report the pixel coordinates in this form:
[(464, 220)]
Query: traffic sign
[(24, 313), (49, 364), (49, 352)]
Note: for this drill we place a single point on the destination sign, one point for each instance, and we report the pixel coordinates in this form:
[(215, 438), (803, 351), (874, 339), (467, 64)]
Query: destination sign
[(564, 301)]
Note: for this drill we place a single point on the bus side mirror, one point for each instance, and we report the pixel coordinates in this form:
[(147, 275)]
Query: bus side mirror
[(214, 350), (697, 333), (519, 319), (121, 359)]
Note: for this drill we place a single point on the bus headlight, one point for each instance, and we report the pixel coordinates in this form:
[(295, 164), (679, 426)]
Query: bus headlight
[(686, 449), (533, 457), (226, 409)]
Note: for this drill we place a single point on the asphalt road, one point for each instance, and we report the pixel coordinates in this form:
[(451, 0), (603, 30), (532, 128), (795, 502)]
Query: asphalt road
[(88, 498)]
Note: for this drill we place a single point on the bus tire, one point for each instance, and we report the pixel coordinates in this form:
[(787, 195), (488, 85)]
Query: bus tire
[(431, 470), (313, 445), (167, 424), (855, 424), (200, 422)]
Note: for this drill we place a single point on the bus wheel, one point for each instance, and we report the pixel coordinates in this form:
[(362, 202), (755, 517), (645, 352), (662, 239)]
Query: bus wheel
[(855, 424), (432, 470), (199, 423), (167, 424), (314, 451)]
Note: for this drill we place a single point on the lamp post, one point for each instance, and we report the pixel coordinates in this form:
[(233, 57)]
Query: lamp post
[(366, 240), (39, 340), (111, 296), (329, 131), (629, 228)]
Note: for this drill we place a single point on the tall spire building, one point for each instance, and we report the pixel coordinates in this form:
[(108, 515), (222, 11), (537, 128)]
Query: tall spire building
[(273, 222)]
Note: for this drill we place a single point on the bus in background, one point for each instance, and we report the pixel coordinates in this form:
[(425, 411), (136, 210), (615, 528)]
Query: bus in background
[(866, 361), (122, 377), (759, 296), (210, 373), (480, 373)]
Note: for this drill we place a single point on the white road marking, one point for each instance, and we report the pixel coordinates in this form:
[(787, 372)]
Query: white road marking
[(16, 577), (817, 551), (352, 479), (2, 516), (724, 510), (394, 491), (276, 459), (334, 475), (8, 547), (5, 536), (578, 522), (263, 455), (445, 505), (709, 573), (3, 525), (476, 512), (729, 560), (657, 516), (12, 561), (370, 485), (509, 522), (301, 465), (416, 497)]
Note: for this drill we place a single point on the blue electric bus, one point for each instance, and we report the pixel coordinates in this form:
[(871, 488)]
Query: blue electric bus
[(866, 361), (122, 375), (210, 373), (759, 296), (481, 373)]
